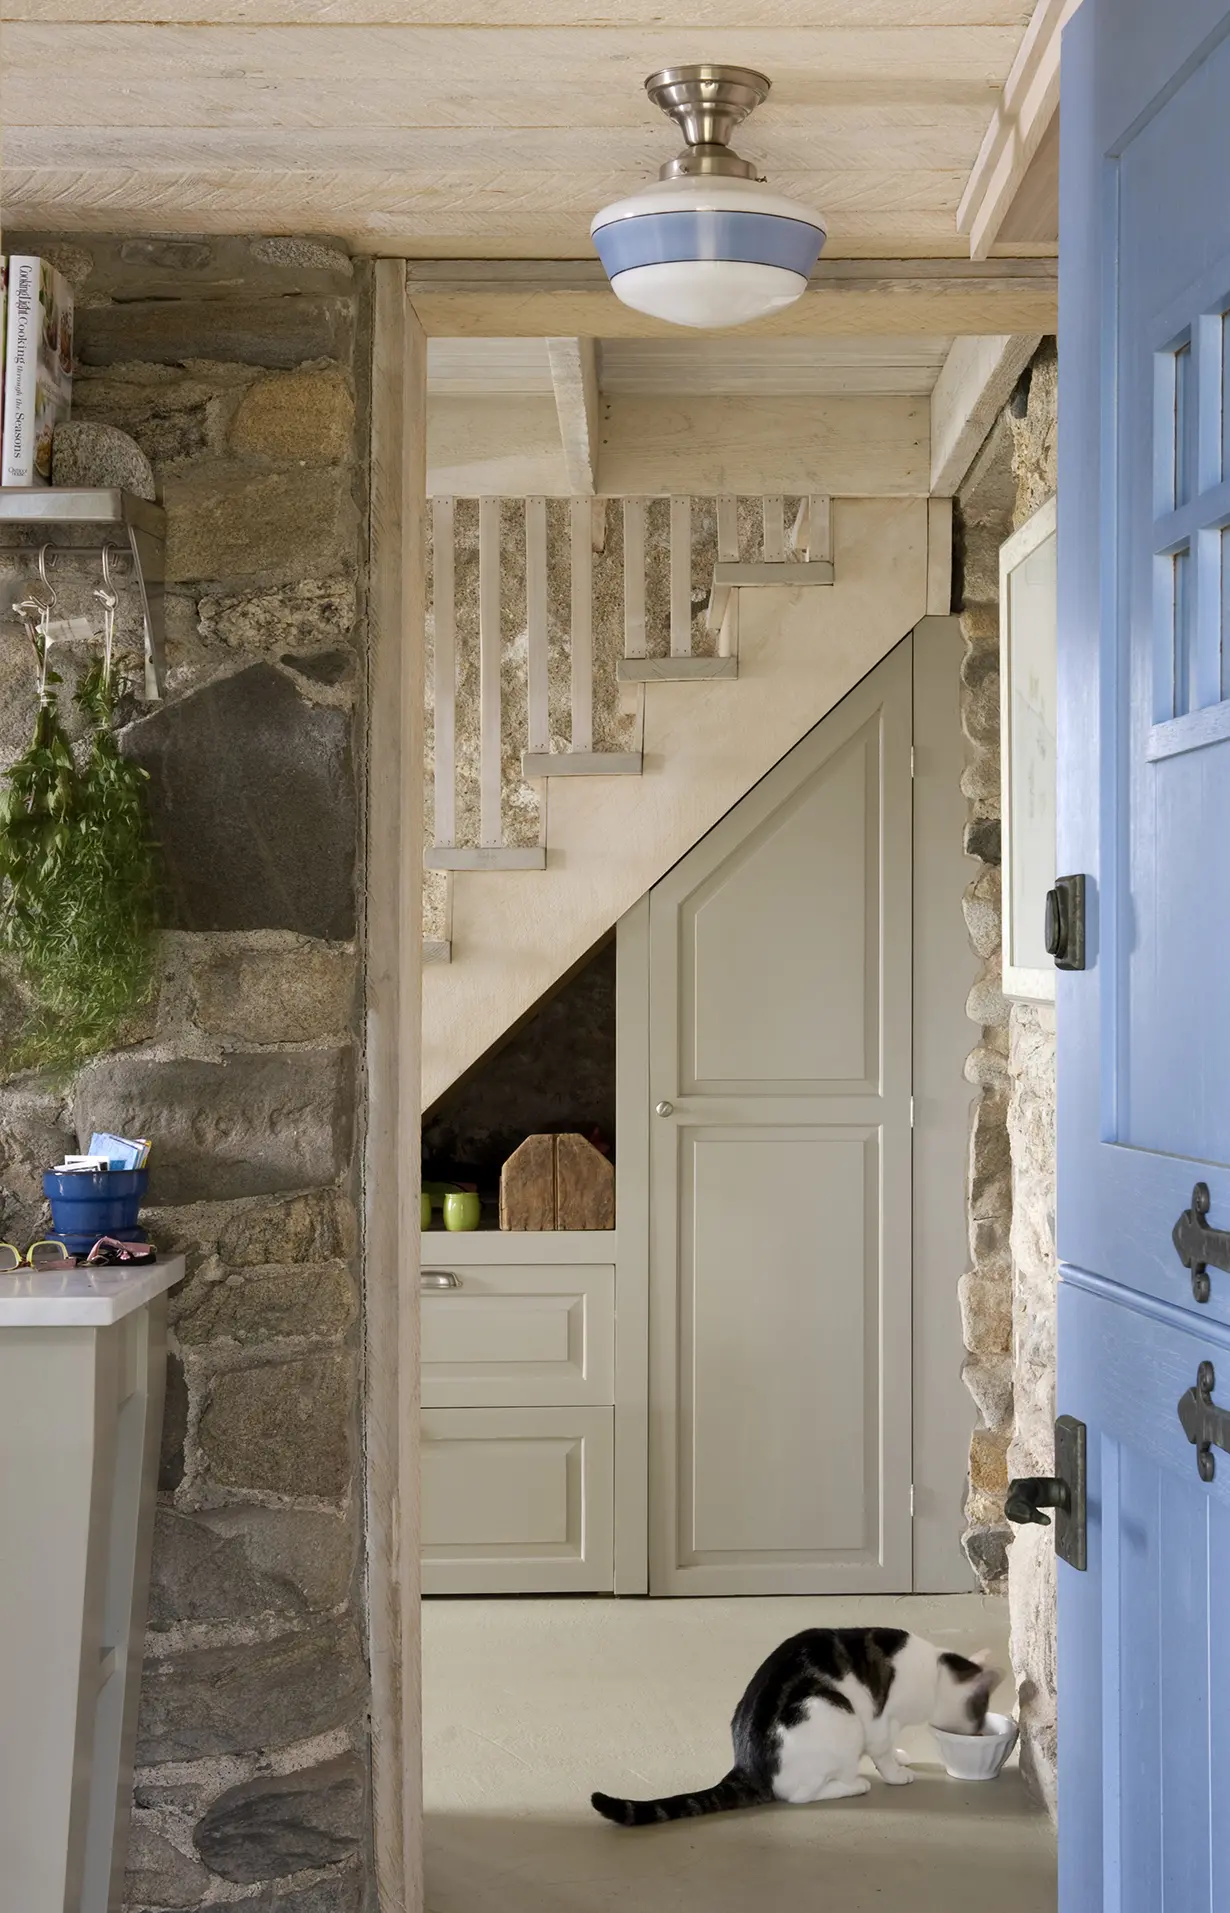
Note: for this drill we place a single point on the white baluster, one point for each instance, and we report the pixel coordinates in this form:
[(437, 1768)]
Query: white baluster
[(445, 670), (681, 577), (582, 625), (490, 830), (773, 511), (634, 577), (723, 604), (539, 738), (728, 531), (820, 528)]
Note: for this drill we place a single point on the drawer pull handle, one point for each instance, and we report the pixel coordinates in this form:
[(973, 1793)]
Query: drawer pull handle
[(432, 1279)]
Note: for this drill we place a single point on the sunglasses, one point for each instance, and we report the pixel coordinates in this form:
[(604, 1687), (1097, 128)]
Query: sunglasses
[(40, 1255), (109, 1252)]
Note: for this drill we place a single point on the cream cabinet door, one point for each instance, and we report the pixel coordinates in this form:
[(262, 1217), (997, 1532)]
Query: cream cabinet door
[(501, 1337), (780, 1179), (517, 1500)]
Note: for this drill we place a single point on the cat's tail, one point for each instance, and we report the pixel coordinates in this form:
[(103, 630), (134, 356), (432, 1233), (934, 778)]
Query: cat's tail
[(737, 1790)]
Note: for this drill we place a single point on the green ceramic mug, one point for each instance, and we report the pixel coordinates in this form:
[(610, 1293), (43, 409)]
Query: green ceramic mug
[(462, 1209), (425, 1210)]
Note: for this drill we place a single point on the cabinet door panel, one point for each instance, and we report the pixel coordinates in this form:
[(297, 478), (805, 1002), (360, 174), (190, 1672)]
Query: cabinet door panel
[(780, 1174), (533, 1337), (517, 1500)]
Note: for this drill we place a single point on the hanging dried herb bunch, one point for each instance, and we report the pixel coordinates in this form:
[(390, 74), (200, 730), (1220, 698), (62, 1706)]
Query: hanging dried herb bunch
[(78, 872)]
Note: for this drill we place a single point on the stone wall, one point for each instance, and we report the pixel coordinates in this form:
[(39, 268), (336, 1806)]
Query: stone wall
[(1008, 1297), (233, 373)]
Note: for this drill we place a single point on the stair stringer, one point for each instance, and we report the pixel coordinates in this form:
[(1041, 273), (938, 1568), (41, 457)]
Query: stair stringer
[(515, 933)]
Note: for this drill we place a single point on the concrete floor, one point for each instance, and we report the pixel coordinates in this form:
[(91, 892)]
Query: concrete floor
[(530, 1704)]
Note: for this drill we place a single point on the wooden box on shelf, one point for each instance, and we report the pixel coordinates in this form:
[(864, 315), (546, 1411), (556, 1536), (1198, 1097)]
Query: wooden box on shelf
[(557, 1182)]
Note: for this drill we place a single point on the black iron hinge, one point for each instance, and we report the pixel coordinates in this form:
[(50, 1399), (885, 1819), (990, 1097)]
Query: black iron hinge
[(1198, 1246), (1205, 1424)]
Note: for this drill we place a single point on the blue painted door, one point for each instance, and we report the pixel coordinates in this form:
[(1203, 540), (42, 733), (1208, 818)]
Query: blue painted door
[(1144, 1030)]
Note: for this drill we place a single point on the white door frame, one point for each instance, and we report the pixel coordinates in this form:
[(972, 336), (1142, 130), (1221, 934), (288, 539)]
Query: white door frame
[(944, 969), (392, 950), (392, 945)]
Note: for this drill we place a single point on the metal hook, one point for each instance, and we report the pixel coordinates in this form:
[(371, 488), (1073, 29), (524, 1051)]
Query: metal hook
[(35, 613), (46, 554), (108, 583), (109, 598), (106, 592), (30, 611)]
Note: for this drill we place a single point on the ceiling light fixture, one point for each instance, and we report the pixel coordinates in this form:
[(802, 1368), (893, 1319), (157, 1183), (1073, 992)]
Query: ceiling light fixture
[(708, 245)]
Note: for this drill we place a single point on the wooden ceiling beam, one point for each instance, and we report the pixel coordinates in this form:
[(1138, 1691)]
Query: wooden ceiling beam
[(1018, 128), (574, 376), (974, 385), (527, 298), (851, 446)]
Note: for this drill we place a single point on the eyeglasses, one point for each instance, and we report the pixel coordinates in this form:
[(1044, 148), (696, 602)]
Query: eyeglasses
[(40, 1255)]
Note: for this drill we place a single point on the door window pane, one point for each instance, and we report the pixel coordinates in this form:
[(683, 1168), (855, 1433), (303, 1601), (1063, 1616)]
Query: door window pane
[(1184, 426), (1186, 697)]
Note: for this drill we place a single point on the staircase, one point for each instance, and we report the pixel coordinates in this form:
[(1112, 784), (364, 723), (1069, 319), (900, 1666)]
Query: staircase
[(608, 677)]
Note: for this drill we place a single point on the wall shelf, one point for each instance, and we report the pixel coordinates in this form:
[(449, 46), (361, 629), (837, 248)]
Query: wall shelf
[(142, 528)]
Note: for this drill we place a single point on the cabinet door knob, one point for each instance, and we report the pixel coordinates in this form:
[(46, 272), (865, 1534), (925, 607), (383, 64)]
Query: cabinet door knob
[(665, 1109)]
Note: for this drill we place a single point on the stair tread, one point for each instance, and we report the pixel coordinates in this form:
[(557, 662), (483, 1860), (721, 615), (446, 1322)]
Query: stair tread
[(672, 670), (490, 857), (774, 571), (581, 763)]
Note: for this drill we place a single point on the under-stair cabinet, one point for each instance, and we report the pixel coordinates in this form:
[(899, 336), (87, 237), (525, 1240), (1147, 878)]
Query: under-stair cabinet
[(752, 1385)]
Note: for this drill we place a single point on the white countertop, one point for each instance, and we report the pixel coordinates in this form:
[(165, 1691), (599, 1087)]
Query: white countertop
[(82, 1298)]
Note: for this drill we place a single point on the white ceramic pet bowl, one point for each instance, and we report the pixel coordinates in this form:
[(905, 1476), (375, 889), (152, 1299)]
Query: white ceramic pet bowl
[(978, 1756)]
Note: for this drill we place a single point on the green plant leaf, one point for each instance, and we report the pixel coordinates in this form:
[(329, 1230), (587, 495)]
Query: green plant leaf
[(79, 887)]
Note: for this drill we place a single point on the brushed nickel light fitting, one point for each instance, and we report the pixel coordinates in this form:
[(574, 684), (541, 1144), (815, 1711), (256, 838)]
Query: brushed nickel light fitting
[(707, 104), (709, 245)]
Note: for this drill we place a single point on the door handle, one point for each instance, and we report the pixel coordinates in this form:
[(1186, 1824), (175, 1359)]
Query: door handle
[(664, 1109), (1028, 1497), (1197, 1245), (1205, 1424), (433, 1279), (1064, 929), (1064, 1491)]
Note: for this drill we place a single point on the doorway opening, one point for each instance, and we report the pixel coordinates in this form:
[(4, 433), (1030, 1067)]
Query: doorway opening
[(747, 1396)]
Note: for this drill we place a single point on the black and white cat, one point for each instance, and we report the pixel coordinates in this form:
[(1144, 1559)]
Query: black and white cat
[(822, 1700)]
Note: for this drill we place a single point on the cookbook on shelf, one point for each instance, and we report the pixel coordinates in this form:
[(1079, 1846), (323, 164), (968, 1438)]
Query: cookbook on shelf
[(38, 367)]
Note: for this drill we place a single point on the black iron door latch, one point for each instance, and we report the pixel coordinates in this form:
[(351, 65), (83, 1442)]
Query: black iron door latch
[(1205, 1424), (1198, 1246), (1064, 1491)]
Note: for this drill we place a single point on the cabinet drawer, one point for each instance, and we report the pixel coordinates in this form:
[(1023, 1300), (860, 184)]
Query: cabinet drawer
[(518, 1500), (513, 1337)]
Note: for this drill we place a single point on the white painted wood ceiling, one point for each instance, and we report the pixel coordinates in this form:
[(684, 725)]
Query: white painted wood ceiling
[(680, 368), (481, 128)]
